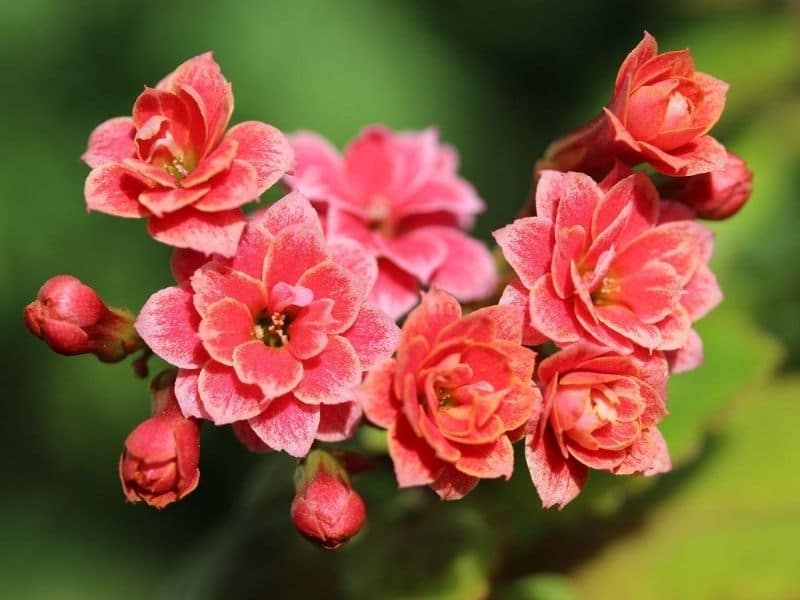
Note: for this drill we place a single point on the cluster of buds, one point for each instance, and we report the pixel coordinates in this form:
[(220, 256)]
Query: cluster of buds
[(282, 324)]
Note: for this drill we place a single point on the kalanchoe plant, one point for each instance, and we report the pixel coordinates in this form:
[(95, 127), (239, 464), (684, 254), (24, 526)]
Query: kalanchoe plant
[(281, 324)]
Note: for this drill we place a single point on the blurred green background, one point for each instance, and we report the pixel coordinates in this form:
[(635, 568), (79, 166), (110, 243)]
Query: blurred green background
[(500, 80)]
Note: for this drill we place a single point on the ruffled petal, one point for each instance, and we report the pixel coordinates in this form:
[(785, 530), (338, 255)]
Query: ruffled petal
[(110, 142), (208, 233), (225, 398), (287, 424), (168, 324), (264, 147)]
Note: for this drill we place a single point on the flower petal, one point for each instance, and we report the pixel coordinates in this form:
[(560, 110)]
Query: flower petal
[(414, 461), (163, 201), (487, 460), (558, 480), (188, 396), (208, 233), (214, 281), (230, 189), (526, 245), (295, 250), (395, 291), (287, 424), (225, 398), (274, 370), (226, 325), (330, 374), (114, 190), (168, 324), (468, 271), (338, 422), (264, 147), (452, 484), (110, 142), (348, 292), (375, 394), (373, 335)]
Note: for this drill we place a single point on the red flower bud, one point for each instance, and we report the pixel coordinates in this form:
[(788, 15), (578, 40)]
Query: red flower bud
[(325, 509), (72, 319), (160, 462), (716, 195)]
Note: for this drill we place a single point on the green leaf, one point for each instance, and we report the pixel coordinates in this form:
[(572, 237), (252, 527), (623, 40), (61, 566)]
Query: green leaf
[(730, 529)]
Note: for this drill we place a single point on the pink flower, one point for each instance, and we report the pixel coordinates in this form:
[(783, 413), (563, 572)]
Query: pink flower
[(601, 411), (72, 319), (596, 266), (161, 456), (326, 509), (173, 163), (398, 194), (662, 110), (455, 397), (716, 195), (275, 338)]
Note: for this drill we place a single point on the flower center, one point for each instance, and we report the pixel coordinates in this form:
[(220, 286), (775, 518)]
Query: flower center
[(176, 168), (272, 329), (378, 216), (445, 398)]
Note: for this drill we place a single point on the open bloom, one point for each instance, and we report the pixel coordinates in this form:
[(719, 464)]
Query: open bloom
[(660, 112), (455, 397), (398, 194), (600, 412), (72, 319), (274, 338), (172, 162), (160, 462), (597, 266)]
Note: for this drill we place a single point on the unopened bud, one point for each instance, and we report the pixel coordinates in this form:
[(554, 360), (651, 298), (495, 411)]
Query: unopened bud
[(160, 462), (716, 195), (72, 319), (326, 509)]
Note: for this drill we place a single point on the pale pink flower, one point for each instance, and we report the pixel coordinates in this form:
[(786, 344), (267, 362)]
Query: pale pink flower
[(275, 338), (173, 163), (399, 195)]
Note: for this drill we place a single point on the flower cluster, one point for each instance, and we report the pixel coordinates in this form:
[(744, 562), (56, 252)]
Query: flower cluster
[(281, 322)]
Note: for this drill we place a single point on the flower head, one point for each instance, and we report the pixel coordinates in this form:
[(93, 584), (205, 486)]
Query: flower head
[(662, 110), (274, 338), (159, 463), (173, 163), (600, 412), (597, 266), (455, 397), (398, 194), (326, 509), (72, 319)]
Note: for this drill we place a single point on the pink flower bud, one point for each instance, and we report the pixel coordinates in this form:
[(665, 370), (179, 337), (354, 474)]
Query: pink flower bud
[(72, 319), (719, 194), (160, 462), (325, 509)]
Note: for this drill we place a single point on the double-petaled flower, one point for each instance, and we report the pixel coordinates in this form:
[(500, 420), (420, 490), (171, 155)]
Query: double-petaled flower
[(455, 397), (173, 163), (600, 412), (273, 339), (399, 195), (599, 266)]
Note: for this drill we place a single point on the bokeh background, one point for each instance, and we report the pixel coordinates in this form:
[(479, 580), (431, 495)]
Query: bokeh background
[(500, 80)]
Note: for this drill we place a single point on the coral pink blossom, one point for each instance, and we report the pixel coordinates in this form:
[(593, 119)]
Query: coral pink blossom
[(160, 462), (716, 195), (455, 397), (173, 163), (600, 412), (597, 266), (274, 338), (398, 194), (662, 110)]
